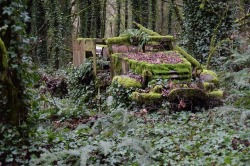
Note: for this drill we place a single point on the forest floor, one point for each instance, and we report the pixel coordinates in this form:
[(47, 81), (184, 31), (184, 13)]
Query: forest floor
[(66, 133)]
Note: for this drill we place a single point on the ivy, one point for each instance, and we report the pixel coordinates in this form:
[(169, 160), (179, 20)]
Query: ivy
[(201, 23), (16, 81), (17, 75), (40, 31)]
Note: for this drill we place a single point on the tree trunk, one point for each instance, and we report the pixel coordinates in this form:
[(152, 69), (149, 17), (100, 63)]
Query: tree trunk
[(126, 14), (135, 10), (103, 20), (40, 30), (170, 14), (13, 109), (118, 19), (144, 12), (153, 14)]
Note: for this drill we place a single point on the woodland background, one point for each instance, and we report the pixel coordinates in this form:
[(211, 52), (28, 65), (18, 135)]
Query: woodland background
[(52, 113)]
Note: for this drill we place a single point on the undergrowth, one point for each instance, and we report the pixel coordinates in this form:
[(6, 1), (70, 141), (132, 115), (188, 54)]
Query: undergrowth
[(94, 126)]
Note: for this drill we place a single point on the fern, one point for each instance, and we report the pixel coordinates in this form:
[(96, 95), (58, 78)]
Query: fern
[(49, 158), (115, 123), (239, 77), (105, 147), (245, 117), (239, 61), (137, 37), (135, 144), (85, 154), (142, 149)]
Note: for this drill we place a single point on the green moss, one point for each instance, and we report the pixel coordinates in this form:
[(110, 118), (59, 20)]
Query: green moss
[(157, 89), (146, 97), (118, 40), (208, 86), (125, 40), (3, 56), (146, 73), (161, 70), (85, 39), (161, 38), (180, 70), (209, 76), (127, 82), (147, 31), (117, 63), (102, 45), (192, 60), (216, 94), (147, 77), (187, 93), (202, 5)]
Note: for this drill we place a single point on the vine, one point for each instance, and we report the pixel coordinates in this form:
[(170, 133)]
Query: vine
[(199, 26), (55, 32), (16, 79), (144, 13), (40, 30), (118, 18), (153, 14), (170, 15), (14, 65), (136, 10)]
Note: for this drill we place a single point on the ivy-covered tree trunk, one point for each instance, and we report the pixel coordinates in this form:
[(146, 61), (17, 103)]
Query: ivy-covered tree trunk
[(13, 100), (135, 4), (178, 13), (40, 31), (118, 19), (170, 14), (103, 20), (85, 20), (90, 18), (144, 12), (95, 18), (126, 14), (206, 25), (56, 32), (153, 14)]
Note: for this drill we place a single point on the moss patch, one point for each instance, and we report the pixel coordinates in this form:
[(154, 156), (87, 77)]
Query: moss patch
[(147, 31), (180, 70), (146, 97), (117, 63), (127, 82), (208, 86), (192, 60), (216, 94), (118, 40), (161, 38), (187, 93), (209, 76), (157, 89), (85, 39), (161, 70), (3, 57)]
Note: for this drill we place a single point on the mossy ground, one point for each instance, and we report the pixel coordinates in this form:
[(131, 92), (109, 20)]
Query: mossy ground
[(146, 97), (127, 82)]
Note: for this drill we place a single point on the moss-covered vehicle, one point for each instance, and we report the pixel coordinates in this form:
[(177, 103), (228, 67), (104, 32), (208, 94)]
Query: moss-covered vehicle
[(160, 70)]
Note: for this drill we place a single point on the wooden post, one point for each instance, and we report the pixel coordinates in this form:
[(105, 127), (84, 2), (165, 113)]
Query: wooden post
[(125, 66), (90, 46), (78, 53), (112, 73)]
